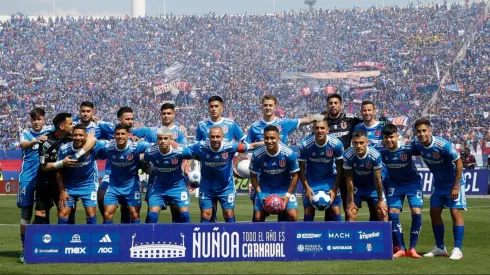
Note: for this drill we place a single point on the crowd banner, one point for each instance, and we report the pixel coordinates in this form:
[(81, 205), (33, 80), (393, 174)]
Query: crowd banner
[(220, 242), (9, 186), (329, 75)]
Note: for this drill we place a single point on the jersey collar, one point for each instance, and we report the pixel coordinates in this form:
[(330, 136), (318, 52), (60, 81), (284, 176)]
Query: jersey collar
[(171, 151), (217, 122), (371, 127), (326, 142), (278, 151), (365, 156), (120, 150), (270, 122), (431, 143), (400, 145)]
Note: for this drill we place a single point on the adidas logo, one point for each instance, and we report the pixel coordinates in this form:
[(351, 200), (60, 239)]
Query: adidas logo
[(106, 239), (166, 162), (121, 157), (322, 154)]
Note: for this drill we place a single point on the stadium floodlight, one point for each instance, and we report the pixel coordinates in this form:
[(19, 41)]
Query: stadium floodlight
[(310, 3), (138, 8)]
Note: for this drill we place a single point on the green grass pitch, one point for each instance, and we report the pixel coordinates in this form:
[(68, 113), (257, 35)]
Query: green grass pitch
[(476, 249)]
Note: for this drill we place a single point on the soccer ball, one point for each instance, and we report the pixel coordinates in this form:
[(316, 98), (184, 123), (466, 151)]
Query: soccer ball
[(273, 204), (194, 179), (321, 200), (242, 168)]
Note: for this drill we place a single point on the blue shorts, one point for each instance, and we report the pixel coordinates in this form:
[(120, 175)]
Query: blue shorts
[(104, 183), (226, 200), (368, 195), (413, 192), (25, 194), (160, 197), (116, 195), (292, 204), (337, 202), (151, 180), (89, 198), (253, 194), (441, 198)]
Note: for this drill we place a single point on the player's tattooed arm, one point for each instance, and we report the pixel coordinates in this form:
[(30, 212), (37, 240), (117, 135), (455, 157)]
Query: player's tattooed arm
[(253, 146), (63, 194), (350, 189), (310, 119), (378, 184), (457, 180), (292, 188)]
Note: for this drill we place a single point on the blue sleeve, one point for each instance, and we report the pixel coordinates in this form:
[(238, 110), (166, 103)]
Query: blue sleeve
[(146, 157), (62, 154), (141, 132), (187, 153), (338, 151), (98, 146), (292, 163), (250, 136), (254, 164), (199, 135), (347, 161), (142, 147), (26, 136), (415, 151), (195, 148), (303, 152), (357, 127), (237, 132), (450, 152), (106, 129), (378, 162), (181, 139), (290, 125)]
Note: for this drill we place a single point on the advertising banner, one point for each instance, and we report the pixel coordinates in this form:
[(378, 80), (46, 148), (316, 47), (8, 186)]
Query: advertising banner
[(271, 241), (9, 186)]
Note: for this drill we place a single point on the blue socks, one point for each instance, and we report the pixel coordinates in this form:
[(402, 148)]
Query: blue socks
[(439, 235), (397, 230), (232, 219), (415, 229), (335, 218), (205, 220), (152, 217), (458, 232), (62, 221), (136, 221), (108, 222), (71, 218), (91, 220), (185, 217), (309, 217)]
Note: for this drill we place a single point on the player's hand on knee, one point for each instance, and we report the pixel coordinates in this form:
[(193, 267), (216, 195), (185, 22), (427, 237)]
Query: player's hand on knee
[(309, 193), (455, 193), (332, 194), (351, 207), (382, 209), (286, 201), (63, 198)]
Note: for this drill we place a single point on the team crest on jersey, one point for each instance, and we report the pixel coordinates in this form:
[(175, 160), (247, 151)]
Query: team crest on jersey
[(435, 155), (369, 165), (403, 157), (129, 156), (175, 135), (329, 152), (224, 155), (87, 155), (377, 133), (343, 124), (282, 162), (174, 160), (225, 129)]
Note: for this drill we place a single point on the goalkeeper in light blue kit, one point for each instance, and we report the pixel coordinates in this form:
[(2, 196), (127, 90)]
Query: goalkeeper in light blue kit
[(274, 170), (320, 162), (169, 186), (404, 181), (448, 189), (124, 187), (79, 181)]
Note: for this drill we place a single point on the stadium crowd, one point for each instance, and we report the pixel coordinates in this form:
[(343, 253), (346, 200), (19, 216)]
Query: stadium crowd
[(114, 62)]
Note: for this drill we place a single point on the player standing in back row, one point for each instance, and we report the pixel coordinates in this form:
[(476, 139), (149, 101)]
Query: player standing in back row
[(448, 189)]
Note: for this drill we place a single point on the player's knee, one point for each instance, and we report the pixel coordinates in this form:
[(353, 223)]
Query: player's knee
[(416, 210), (292, 215), (309, 211), (26, 213)]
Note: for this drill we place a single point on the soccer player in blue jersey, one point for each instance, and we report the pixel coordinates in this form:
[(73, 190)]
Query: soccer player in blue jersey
[(216, 156), (29, 143), (125, 116), (403, 181), (79, 181), (169, 186), (371, 126), (124, 187), (448, 189), (320, 162), (274, 170), (362, 168)]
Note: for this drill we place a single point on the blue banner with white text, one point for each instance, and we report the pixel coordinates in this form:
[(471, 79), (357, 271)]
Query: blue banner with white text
[(293, 241)]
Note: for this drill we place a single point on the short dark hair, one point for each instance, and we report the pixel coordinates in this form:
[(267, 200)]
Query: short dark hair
[(123, 110), (359, 133), (271, 128), (37, 112), (87, 104), (122, 126), (334, 96), (59, 119), (422, 121), (215, 98), (167, 106), (80, 126), (389, 129), (367, 102)]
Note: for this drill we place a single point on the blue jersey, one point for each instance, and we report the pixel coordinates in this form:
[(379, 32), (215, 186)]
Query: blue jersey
[(83, 175), (374, 134), (30, 157), (399, 164), (285, 126), (231, 130), (274, 171), (167, 167), (216, 166), (363, 168), (177, 135), (124, 162), (92, 128), (439, 157), (320, 160)]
